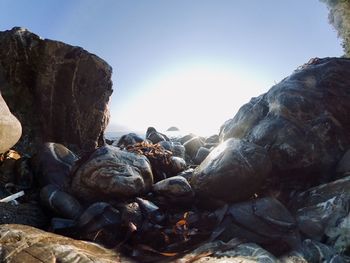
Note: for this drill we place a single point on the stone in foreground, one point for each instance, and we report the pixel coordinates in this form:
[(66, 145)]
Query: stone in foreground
[(21, 243), (10, 127)]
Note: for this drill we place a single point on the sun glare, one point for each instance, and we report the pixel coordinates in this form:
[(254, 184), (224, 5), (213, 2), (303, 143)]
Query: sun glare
[(195, 98)]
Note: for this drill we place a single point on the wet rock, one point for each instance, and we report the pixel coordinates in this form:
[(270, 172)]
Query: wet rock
[(343, 166), (110, 174), (233, 251), (24, 176), (26, 244), (60, 202), (173, 128), (213, 139), (177, 165), (97, 217), (53, 164), (323, 211), (132, 217), (301, 121), (150, 210), (202, 153), (262, 221), (154, 136), (26, 214), (10, 127), (127, 139), (192, 146), (174, 188), (313, 252), (57, 91), (233, 171), (176, 148)]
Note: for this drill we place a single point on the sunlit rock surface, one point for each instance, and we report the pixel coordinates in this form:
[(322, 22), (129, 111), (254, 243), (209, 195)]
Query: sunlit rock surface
[(59, 92), (21, 243), (10, 127), (233, 171), (303, 121), (110, 173)]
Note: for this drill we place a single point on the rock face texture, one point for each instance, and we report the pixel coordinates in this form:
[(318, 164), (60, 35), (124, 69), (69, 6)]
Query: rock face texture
[(58, 92), (10, 128), (303, 122), (21, 243)]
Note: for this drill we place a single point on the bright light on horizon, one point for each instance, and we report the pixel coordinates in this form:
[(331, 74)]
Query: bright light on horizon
[(194, 98)]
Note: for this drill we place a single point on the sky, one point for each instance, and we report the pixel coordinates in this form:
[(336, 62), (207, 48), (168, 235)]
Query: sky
[(184, 63)]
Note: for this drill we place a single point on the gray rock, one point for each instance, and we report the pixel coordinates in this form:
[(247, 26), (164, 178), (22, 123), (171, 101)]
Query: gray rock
[(202, 153), (313, 252), (174, 188), (262, 221), (127, 139), (233, 251), (53, 164), (233, 171), (323, 211), (176, 148), (302, 122), (110, 173), (154, 136), (21, 243), (192, 146), (58, 92), (343, 166), (177, 165), (10, 127)]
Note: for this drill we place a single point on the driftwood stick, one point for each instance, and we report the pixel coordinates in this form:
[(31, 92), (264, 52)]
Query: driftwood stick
[(12, 197)]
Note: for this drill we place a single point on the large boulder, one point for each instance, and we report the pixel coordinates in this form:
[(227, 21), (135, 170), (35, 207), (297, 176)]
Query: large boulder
[(110, 174), (21, 243), (58, 92), (303, 121), (10, 127), (232, 172)]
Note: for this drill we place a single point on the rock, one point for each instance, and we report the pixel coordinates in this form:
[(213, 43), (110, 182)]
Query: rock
[(176, 189), (233, 251), (264, 221), (323, 211), (154, 136), (52, 165), (192, 146), (24, 176), (202, 153), (177, 165), (60, 202), (21, 243), (343, 166), (313, 252), (58, 92), (213, 139), (302, 122), (233, 171), (176, 148), (127, 139), (110, 173), (10, 127), (173, 128)]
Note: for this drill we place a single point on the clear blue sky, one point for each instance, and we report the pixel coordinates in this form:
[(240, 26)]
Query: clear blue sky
[(188, 63)]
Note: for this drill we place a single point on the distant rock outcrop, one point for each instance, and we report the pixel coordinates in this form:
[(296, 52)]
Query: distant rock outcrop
[(58, 92)]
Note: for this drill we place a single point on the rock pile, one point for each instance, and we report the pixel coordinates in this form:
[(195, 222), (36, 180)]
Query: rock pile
[(273, 186)]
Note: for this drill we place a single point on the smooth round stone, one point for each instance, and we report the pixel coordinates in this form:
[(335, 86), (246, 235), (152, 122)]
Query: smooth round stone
[(193, 145), (173, 188), (233, 171), (202, 153), (10, 127), (110, 174)]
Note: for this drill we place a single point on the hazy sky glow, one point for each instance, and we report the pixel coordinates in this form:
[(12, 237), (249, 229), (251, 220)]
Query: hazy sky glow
[(185, 63)]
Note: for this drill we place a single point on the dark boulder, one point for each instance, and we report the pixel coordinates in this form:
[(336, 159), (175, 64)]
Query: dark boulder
[(233, 171), (58, 92), (303, 121)]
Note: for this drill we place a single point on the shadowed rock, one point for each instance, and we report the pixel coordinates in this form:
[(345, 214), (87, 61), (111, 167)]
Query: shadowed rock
[(58, 92), (303, 121)]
